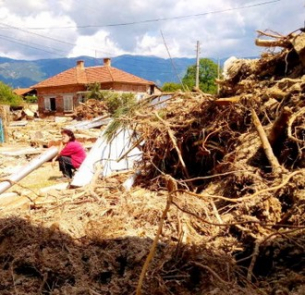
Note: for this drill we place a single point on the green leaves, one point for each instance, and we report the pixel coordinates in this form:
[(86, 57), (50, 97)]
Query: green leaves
[(8, 97), (208, 71), (171, 87), (94, 91), (121, 106)]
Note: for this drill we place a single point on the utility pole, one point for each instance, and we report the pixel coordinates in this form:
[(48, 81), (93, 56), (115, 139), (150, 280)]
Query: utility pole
[(197, 65)]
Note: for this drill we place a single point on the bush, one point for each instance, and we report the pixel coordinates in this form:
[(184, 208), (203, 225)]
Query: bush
[(171, 87), (8, 97), (94, 91), (115, 101), (31, 99)]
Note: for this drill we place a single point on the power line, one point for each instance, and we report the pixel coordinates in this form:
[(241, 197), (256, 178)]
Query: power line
[(54, 39), (47, 37), (13, 40), (131, 63), (122, 63), (31, 45), (126, 63), (157, 19), (173, 65)]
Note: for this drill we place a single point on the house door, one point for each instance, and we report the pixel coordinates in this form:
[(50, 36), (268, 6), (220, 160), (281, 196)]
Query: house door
[(50, 103), (53, 104)]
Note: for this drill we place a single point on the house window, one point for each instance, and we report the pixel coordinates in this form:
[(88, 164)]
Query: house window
[(81, 98), (139, 96), (151, 89), (68, 103), (50, 103)]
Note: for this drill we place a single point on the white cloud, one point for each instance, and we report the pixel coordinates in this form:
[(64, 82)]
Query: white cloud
[(151, 45), (27, 7), (37, 35), (97, 45)]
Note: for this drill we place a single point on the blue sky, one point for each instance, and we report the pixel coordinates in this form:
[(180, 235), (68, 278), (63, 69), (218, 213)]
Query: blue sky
[(37, 29)]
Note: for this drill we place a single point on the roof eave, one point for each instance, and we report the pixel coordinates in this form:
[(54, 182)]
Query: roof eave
[(134, 83), (62, 85)]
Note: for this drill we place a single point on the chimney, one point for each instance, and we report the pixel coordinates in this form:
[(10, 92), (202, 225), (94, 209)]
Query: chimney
[(107, 62), (80, 64)]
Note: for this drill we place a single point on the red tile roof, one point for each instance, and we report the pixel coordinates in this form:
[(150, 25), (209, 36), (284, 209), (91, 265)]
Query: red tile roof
[(21, 91), (101, 74)]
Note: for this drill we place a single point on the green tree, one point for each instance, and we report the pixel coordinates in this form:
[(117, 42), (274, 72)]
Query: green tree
[(8, 97), (31, 99), (94, 91), (171, 87), (208, 71), (116, 102)]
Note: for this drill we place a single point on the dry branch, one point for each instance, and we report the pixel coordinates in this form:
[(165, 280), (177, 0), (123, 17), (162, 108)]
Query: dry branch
[(276, 167), (273, 43), (172, 137), (171, 184), (290, 122), (253, 260), (279, 127), (268, 34)]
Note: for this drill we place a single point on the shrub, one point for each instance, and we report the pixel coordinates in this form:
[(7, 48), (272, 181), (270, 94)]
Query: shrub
[(8, 97), (31, 99), (116, 101)]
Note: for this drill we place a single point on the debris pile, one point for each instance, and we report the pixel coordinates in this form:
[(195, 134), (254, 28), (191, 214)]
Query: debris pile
[(218, 206), (46, 132), (90, 109)]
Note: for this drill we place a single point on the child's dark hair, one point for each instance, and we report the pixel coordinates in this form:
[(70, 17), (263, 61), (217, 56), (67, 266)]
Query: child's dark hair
[(69, 133)]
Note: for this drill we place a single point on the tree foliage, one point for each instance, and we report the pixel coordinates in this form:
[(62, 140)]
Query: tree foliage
[(171, 87), (94, 91), (114, 100), (119, 105), (208, 71), (8, 97), (117, 102), (31, 99)]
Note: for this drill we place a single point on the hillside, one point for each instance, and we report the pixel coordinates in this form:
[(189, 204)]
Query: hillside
[(23, 73)]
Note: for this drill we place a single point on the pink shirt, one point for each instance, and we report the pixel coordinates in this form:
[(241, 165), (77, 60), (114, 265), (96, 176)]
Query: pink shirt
[(76, 151)]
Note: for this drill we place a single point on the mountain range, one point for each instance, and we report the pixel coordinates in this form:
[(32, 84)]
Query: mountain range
[(25, 73)]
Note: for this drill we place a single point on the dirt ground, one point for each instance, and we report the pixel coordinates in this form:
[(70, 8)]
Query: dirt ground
[(45, 175)]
